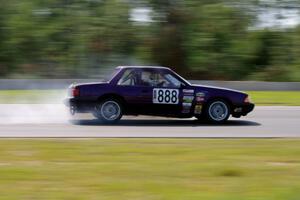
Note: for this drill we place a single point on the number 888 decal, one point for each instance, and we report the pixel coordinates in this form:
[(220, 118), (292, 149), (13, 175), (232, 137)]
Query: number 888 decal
[(165, 96)]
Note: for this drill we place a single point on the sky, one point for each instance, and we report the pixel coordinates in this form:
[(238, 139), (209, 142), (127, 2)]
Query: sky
[(277, 18), (267, 17)]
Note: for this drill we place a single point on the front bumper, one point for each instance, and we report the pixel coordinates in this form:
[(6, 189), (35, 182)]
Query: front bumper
[(243, 110), (248, 108)]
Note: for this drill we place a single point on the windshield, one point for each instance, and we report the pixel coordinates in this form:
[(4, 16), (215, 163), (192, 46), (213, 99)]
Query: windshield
[(173, 81), (177, 76)]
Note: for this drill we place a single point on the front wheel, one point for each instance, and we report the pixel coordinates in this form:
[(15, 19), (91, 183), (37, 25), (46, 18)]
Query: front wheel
[(109, 111), (217, 111)]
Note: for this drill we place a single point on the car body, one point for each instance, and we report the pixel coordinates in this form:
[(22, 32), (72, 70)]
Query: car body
[(156, 91)]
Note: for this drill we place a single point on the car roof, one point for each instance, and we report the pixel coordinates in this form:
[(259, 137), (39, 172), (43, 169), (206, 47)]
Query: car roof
[(142, 67)]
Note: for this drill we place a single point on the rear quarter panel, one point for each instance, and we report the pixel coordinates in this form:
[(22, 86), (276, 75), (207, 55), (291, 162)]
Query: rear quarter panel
[(94, 91)]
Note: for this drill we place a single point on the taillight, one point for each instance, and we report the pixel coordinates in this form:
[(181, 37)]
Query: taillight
[(75, 92), (247, 100)]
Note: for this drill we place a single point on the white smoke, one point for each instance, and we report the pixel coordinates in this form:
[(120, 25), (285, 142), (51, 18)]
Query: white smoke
[(33, 113), (44, 111)]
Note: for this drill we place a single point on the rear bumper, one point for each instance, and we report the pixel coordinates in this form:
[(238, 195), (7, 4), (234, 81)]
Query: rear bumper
[(79, 105)]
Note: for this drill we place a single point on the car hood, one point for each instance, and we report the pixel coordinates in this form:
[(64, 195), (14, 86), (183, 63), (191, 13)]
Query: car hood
[(217, 88)]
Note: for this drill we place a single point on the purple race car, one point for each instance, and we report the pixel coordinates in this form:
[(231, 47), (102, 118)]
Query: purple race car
[(157, 91)]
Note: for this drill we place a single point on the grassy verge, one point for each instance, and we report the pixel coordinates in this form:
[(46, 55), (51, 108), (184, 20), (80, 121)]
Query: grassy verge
[(32, 96), (274, 98), (289, 98), (150, 169)]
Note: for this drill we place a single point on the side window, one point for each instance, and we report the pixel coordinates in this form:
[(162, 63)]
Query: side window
[(151, 79), (129, 77), (158, 79), (148, 78)]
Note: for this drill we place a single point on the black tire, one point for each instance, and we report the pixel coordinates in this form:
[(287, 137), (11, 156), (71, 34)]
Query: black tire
[(109, 111), (217, 111)]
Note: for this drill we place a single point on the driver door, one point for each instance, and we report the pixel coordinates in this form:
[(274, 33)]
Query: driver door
[(163, 93)]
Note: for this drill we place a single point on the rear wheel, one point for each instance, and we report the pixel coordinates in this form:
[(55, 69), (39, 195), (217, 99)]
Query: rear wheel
[(217, 111), (109, 111)]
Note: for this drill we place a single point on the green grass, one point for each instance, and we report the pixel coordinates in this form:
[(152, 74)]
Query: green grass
[(32, 96), (150, 169), (289, 98), (274, 98)]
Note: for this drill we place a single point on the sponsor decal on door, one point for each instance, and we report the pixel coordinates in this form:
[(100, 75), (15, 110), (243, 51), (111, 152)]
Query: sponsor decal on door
[(188, 99), (188, 91), (198, 109)]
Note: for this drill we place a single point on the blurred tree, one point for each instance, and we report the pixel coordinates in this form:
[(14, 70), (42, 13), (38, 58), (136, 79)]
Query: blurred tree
[(110, 31), (207, 39), (273, 55), (215, 41), (4, 54), (59, 38), (163, 42), (295, 68)]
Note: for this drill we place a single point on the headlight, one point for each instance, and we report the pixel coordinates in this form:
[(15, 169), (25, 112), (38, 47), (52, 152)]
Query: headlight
[(247, 99)]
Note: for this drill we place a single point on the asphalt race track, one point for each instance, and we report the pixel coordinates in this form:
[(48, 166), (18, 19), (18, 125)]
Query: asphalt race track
[(52, 120)]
